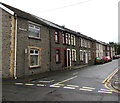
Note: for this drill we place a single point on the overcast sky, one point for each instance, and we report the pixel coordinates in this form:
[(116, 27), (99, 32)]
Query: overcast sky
[(95, 18)]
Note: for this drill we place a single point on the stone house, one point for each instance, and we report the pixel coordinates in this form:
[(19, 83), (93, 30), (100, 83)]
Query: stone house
[(25, 49), (32, 45)]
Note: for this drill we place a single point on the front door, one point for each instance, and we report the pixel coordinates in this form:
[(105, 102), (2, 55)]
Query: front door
[(68, 57), (65, 58)]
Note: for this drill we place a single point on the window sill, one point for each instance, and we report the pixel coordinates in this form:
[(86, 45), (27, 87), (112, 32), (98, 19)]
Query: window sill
[(74, 61), (58, 62), (34, 38), (37, 66), (57, 43)]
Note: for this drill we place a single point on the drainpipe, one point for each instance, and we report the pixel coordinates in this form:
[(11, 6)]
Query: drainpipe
[(50, 46), (15, 59)]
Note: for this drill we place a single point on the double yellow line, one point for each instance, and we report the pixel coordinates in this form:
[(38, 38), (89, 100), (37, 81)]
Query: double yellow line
[(107, 80), (110, 76)]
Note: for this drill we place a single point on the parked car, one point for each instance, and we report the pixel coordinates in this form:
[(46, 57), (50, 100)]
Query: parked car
[(99, 60), (115, 57), (107, 59)]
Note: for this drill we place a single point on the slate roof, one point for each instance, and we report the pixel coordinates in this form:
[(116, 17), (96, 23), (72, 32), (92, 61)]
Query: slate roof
[(39, 20)]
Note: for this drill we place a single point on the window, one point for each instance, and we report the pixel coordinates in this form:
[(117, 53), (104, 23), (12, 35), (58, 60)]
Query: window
[(85, 43), (34, 56), (88, 44), (56, 37), (80, 42), (57, 56), (34, 31), (89, 55), (72, 40), (67, 38), (73, 55), (63, 38), (81, 55)]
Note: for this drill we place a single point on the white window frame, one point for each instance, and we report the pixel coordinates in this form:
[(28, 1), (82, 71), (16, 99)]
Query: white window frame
[(57, 56), (89, 53), (68, 39), (81, 55), (63, 38), (35, 27), (56, 33), (74, 55), (30, 54), (74, 41)]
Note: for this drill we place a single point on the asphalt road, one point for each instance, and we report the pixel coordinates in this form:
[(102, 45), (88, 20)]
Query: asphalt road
[(83, 84)]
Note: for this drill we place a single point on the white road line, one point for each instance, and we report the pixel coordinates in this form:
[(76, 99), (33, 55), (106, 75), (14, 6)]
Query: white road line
[(69, 87), (104, 92), (88, 87), (47, 81), (85, 89), (19, 83), (42, 85), (29, 84), (66, 80), (56, 86), (75, 73), (72, 86)]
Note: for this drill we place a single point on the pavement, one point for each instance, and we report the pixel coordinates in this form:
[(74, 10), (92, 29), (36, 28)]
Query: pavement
[(41, 75)]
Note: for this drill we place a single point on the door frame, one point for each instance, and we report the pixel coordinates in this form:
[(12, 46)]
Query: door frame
[(68, 57)]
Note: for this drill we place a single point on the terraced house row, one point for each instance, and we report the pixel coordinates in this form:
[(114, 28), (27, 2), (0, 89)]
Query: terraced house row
[(32, 45)]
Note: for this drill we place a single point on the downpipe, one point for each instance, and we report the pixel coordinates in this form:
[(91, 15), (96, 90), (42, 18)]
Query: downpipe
[(15, 59)]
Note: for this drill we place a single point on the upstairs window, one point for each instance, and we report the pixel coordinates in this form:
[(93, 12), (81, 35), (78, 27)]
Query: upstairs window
[(34, 31), (67, 38), (56, 37), (63, 38), (73, 55), (73, 40)]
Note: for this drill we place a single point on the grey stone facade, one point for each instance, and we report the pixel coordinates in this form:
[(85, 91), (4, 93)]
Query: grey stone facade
[(6, 31), (24, 41), (17, 45)]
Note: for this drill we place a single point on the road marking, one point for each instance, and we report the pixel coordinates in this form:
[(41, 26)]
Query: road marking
[(47, 81), (41, 85), (68, 87), (75, 73), (88, 87), (66, 80), (107, 80), (29, 84), (110, 76), (104, 92), (72, 86), (56, 86), (85, 89), (19, 83)]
